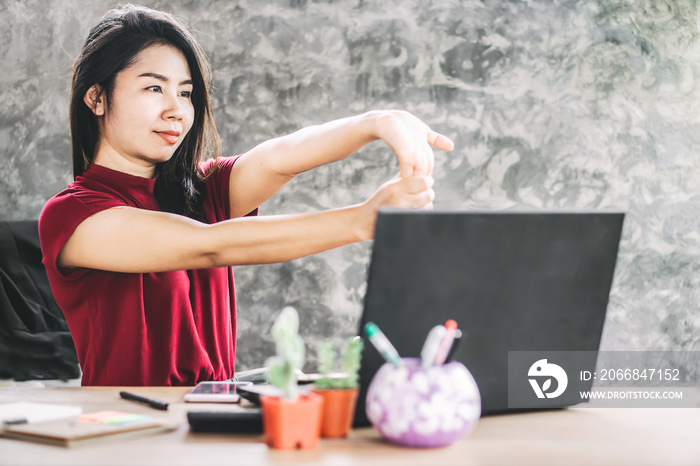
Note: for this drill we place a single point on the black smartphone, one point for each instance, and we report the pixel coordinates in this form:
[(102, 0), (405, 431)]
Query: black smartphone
[(243, 421)]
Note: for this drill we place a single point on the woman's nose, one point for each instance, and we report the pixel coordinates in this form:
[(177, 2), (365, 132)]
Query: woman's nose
[(173, 110)]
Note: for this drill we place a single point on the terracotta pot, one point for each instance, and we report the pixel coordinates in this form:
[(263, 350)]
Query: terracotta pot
[(338, 411), (291, 424)]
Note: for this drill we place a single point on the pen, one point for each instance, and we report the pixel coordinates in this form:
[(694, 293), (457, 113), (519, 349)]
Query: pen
[(431, 345), (446, 343), (382, 343), (155, 404), (12, 422), (455, 344)]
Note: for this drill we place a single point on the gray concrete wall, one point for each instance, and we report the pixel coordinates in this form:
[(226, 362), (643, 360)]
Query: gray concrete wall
[(552, 104)]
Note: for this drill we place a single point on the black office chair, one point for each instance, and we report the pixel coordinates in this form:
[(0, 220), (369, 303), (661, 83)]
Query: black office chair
[(35, 343)]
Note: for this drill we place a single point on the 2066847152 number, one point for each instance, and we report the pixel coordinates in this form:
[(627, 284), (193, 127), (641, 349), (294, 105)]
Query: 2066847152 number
[(640, 374)]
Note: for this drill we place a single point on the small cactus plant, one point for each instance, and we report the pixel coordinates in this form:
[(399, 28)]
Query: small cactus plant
[(350, 365), (287, 363)]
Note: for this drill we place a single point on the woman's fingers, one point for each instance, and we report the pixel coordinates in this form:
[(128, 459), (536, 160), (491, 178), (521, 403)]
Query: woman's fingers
[(417, 184), (440, 141), (416, 159), (411, 140), (420, 200), (413, 192)]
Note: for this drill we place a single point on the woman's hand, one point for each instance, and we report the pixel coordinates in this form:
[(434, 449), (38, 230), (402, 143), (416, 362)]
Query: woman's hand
[(414, 192), (411, 140), (263, 170)]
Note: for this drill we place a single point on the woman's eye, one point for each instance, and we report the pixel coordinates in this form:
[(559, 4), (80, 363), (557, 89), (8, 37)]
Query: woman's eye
[(187, 94), (153, 88)]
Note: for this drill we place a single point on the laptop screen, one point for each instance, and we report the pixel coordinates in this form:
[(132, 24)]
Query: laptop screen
[(513, 281)]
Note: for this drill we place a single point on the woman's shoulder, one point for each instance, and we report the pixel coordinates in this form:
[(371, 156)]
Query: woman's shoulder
[(73, 205), (77, 195), (69, 198), (217, 166)]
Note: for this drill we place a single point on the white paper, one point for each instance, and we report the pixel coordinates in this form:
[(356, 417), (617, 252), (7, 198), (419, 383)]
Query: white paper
[(36, 412)]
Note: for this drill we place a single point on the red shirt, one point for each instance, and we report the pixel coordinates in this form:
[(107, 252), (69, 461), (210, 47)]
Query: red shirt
[(169, 328)]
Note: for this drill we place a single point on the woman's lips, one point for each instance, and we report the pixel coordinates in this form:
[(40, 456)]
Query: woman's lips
[(169, 136)]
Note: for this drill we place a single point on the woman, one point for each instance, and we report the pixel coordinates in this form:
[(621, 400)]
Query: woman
[(139, 248)]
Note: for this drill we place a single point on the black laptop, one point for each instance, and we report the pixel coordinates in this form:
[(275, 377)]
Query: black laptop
[(514, 282)]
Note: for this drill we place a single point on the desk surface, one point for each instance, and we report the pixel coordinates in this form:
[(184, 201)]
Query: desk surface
[(571, 436)]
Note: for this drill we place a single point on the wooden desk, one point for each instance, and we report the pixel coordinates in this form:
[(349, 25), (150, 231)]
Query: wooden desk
[(572, 436)]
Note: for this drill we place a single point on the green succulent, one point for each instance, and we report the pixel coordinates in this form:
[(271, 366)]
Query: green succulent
[(350, 365), (287, 363)]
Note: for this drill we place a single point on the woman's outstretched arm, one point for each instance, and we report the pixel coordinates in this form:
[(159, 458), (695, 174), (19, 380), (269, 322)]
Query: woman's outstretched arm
[(266, 168), (131, 240)]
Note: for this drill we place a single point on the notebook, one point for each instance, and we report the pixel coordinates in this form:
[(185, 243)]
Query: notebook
[(86, 428), (514, 282)]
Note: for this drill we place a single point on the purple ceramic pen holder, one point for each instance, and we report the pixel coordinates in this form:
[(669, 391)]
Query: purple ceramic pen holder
[(423, 407)]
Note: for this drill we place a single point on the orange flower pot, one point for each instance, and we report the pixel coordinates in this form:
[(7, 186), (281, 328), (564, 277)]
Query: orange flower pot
[(338, 411), (291, 424)]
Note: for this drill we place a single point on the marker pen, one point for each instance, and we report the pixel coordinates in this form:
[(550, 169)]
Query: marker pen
[(382, 343), (155, 404), (446, 343), (431, 345)]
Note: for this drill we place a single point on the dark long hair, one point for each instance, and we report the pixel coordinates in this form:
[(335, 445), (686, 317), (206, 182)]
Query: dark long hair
[(113, 45)]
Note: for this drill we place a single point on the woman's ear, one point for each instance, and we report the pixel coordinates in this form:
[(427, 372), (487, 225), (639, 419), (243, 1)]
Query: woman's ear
[(94, 99)]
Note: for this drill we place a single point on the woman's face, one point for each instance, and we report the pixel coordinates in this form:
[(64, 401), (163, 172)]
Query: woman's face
[(150, 111)]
